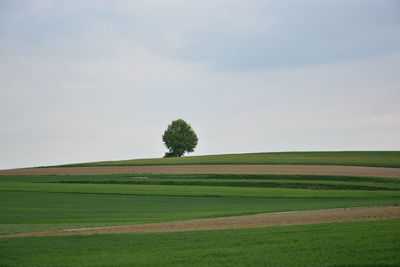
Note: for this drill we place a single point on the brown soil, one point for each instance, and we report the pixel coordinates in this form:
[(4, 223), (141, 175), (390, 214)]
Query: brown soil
[(251, 221), (213, 169)]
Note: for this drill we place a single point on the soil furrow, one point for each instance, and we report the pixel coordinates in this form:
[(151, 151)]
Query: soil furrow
[(213, 169), (250, 221)]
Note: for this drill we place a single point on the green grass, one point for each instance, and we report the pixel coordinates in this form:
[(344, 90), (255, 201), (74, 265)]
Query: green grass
[(38, 211), (205, 177), (39, 203), (247, 182), (192, 190), (42, 203), (270, 181), (338, 244), (346, 158)]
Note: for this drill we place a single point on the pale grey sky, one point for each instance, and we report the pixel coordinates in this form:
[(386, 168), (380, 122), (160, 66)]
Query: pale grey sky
[(101, 79)]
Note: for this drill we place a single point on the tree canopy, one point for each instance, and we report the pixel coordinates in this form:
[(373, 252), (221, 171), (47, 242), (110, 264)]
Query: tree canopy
[(179, 138)]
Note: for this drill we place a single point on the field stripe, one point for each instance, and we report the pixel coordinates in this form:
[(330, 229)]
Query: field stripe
[(251, 221), (214, 169)]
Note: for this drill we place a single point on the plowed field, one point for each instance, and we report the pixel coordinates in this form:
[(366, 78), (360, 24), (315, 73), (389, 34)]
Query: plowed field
[(251, 221), (213, 169)]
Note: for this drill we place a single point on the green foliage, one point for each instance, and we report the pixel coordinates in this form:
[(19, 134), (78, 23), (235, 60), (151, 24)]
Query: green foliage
[(345, 158), (179, 138), (374, 243)]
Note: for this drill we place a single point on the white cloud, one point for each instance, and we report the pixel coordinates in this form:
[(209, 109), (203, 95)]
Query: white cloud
[(103, 93)]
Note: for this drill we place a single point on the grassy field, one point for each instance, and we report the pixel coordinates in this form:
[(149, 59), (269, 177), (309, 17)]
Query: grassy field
[(341, 244), (345, 158), (39, 203), (43, 203)]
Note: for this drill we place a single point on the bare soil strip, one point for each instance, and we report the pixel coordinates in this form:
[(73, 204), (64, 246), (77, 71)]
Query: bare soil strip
[(251, 221), (213, 169)]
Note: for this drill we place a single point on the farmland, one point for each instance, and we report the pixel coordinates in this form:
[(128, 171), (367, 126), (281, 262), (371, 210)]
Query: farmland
[(339, 244), (39, 203), (343, 158)]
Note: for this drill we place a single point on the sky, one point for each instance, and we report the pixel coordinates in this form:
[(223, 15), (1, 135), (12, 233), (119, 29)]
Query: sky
[(95, 80)]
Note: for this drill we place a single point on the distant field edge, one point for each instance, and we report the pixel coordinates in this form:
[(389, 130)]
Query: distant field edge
[(340, 158), (248, 221), (214, 169)]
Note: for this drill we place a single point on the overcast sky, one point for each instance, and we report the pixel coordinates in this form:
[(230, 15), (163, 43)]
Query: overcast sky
[(101, 79)]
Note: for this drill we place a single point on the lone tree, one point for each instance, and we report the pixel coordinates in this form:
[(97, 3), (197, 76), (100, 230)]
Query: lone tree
[(179, 138)]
